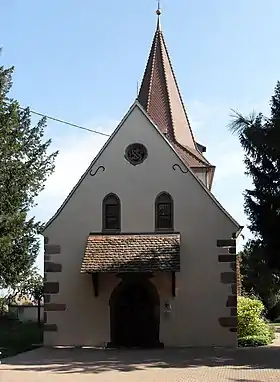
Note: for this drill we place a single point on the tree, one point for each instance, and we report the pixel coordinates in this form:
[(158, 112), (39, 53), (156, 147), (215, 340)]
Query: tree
[(3, 306), (25, 165), (257, 277), (37, 291), (260, 139), (33, 288), (29, 290)]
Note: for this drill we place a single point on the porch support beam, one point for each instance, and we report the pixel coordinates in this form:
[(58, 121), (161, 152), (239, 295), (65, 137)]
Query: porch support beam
[(173, 283), (95, 284)]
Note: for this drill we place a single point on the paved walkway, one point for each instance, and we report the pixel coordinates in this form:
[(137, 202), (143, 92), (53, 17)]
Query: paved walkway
[(176, 365)]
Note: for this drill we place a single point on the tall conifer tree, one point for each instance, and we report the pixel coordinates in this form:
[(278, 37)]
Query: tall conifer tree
[(260, 139)]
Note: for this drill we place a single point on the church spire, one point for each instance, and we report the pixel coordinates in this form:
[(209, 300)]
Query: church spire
[(160, 96)]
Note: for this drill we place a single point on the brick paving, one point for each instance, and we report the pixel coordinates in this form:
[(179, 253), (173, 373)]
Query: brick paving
[(176, 365)]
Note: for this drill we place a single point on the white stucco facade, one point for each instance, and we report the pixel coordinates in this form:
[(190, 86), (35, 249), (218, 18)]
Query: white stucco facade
[(200, 296)]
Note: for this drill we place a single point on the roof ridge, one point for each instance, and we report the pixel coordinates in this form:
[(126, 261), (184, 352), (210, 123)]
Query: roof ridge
[(153, 67), (177, 86), (166, 83), (152, 63)]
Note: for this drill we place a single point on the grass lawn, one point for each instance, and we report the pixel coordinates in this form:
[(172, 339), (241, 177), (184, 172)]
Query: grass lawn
[(17, 337)]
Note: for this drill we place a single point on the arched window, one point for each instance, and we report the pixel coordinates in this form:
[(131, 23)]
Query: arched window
[(111, 213), (164, 212)]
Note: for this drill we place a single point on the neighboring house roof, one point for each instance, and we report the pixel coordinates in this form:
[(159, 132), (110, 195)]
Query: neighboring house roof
[(161, 98), (137, 105), (135, 253)]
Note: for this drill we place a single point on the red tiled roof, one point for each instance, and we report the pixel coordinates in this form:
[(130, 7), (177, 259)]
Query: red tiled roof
[(132, 253), (160, 96), (190, 157)]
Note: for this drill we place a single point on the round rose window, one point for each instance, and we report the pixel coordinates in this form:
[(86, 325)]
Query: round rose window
[(136, 153)]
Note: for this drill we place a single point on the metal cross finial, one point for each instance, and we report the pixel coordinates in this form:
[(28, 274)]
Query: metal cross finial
[(158, 8)]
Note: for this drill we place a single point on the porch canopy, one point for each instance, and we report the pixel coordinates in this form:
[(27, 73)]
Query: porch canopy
[(132, 253)]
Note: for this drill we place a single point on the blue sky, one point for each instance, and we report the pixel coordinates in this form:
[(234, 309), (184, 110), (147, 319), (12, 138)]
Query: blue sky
[(81, 60)]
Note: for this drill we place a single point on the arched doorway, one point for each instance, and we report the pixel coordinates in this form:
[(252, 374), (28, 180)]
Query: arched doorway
[(134, 315)]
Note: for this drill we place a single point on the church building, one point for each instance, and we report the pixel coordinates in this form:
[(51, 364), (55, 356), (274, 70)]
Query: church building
[(141, 253)]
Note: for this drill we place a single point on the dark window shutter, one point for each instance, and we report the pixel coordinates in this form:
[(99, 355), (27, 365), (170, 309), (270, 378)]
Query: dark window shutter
[(164, 212), (111, 213)]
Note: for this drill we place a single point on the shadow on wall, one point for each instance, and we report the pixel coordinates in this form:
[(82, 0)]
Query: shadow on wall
[(98, 361)]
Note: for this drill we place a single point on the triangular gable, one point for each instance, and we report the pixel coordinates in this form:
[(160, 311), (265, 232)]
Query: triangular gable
[(182, 163)]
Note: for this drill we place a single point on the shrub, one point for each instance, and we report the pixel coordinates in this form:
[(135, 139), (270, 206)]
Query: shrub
[(272, 332), (252, 329), (253, 341)]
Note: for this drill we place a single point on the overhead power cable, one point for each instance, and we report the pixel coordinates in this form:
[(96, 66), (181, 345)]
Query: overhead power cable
[(66, 123)]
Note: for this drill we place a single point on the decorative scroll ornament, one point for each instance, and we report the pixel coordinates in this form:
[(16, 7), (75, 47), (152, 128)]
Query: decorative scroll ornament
[(180, 168), (93, 173), (136, 153)]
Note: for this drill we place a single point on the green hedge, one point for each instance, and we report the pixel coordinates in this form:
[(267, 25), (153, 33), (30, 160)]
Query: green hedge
[(253, 341), (252, 328), (16, 337)]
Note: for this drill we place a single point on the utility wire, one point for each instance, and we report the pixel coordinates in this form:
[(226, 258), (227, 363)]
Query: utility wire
[(66, 123)]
